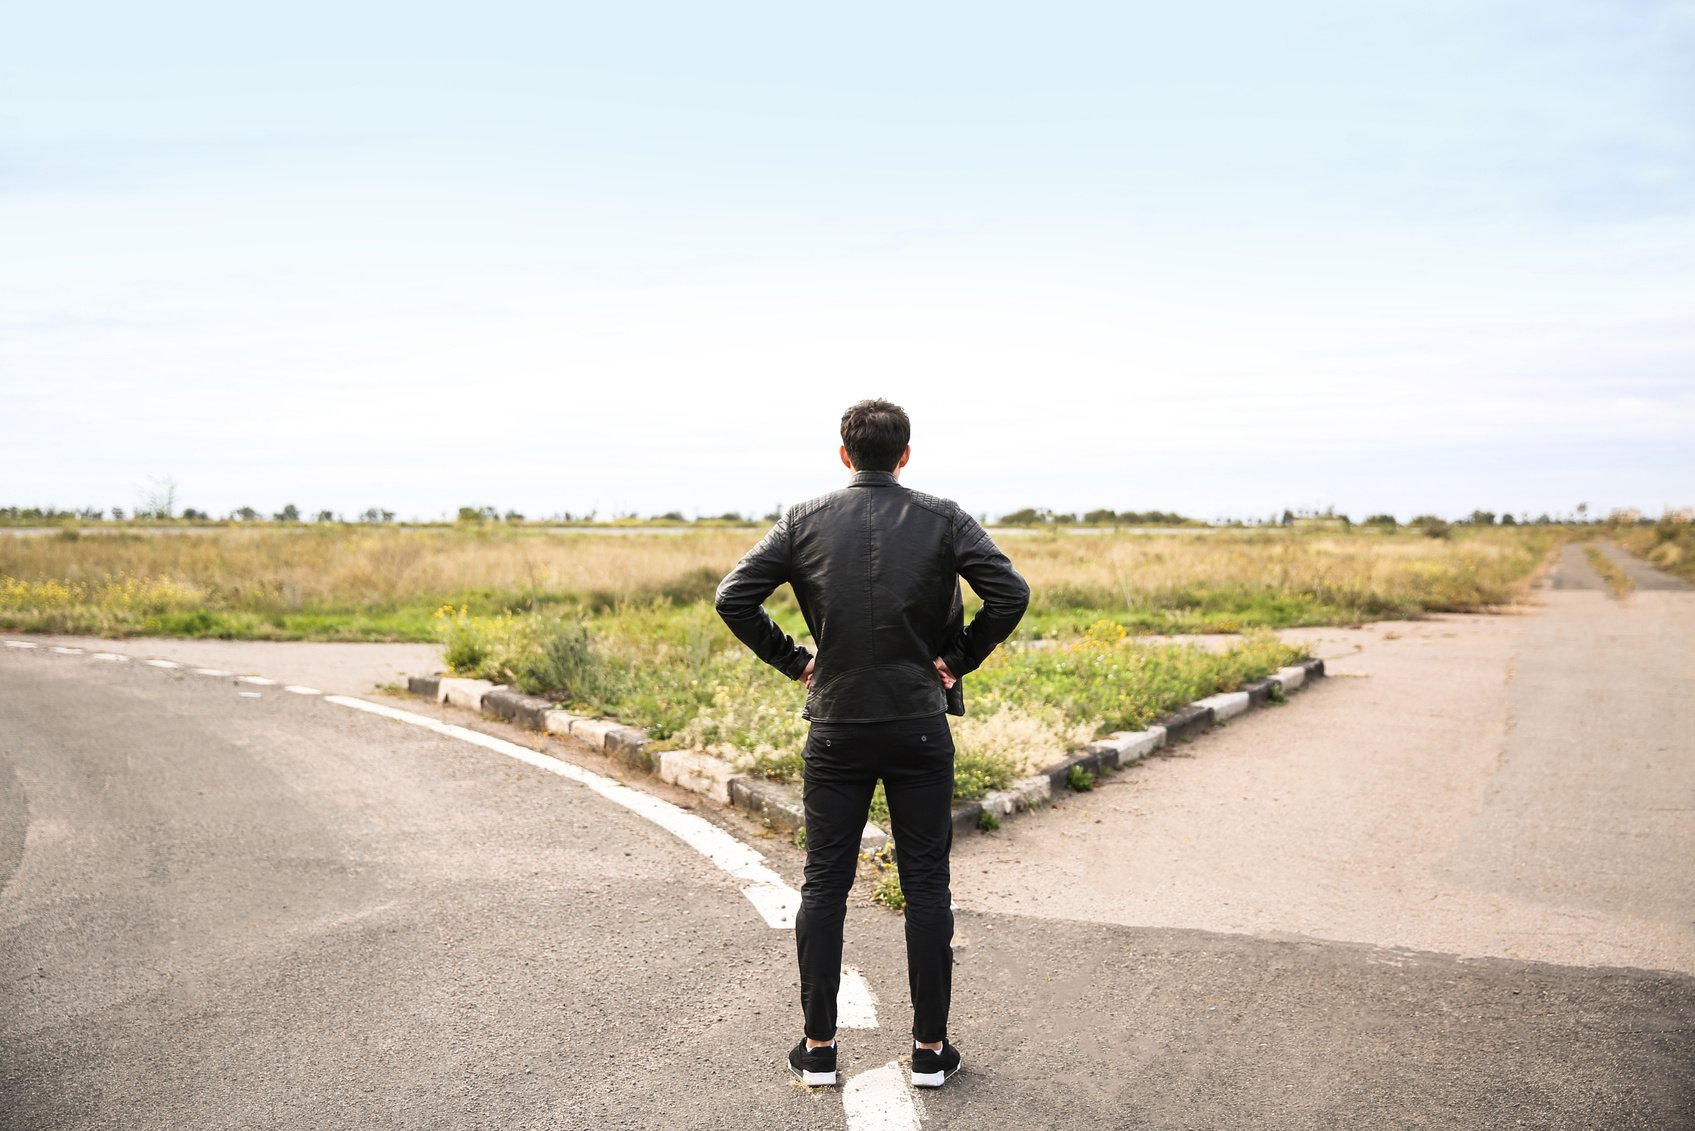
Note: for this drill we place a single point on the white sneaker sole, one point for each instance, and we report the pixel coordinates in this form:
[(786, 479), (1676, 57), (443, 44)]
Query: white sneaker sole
[(931, 1079), (815, 1079)]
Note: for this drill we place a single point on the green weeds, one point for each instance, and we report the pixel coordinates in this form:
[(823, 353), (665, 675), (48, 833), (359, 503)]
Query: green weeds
[(885, 877)]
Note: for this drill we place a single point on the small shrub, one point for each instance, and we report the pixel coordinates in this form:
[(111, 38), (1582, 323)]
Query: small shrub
[(566, 665), (977, 774), (496, 647), (987, 821), (1080, 779)]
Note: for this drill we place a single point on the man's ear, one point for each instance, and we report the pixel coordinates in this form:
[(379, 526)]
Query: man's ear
[(846, 461), (906, 454)]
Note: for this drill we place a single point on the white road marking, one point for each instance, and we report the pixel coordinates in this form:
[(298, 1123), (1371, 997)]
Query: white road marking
[(856, 1006), (211, 671), (879, 1100), (163, 663), (766, 890), (22, 644), (113, 656), (299, 690), (776, 903), (257, 680), (66, 651), (249, 694)]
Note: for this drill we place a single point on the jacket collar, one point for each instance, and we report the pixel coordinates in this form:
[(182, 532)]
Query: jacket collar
[(873, 479)]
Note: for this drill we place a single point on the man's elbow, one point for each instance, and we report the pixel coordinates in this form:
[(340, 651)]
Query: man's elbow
[(1018, 597), (724, 601)]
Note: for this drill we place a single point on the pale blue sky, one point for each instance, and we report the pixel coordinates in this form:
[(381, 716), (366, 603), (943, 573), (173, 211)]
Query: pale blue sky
[(1223, 259)]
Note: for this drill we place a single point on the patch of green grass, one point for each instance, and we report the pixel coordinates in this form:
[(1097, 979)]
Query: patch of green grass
[(1080, 779), (1108, 678)]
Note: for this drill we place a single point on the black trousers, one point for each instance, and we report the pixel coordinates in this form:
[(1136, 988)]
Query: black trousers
[(914, 759)]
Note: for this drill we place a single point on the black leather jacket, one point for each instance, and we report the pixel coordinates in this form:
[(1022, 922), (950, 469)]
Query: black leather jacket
[(875, 568)]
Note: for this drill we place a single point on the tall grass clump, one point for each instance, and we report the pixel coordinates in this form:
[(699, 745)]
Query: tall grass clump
[(1668, 544)]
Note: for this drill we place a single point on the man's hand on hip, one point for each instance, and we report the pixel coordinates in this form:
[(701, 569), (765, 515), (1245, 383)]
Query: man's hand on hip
[(806, 676), (948, 678)]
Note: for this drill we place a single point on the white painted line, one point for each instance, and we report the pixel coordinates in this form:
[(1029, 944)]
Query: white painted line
[(22, 644), (879, 1100), (108, 656), (777, 903), (212, 671), (65, 651), (257, 680), (299, 690), (163, 663), (249, 694), (774, 899), (856, 1006)]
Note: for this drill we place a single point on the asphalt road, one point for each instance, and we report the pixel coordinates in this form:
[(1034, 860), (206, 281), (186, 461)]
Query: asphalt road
[(226, 911)]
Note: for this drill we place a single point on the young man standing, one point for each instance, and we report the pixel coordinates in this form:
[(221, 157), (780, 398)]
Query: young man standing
[(875, 568)]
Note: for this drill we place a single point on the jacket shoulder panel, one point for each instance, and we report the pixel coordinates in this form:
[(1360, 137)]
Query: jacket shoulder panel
[(947, 508), (811, 506)]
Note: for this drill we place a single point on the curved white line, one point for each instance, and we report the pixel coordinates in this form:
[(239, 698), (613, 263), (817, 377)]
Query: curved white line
[(774, 899)]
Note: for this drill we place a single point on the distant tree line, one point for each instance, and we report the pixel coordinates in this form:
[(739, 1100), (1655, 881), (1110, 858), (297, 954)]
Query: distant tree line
[(160, 506), (1041, 516)]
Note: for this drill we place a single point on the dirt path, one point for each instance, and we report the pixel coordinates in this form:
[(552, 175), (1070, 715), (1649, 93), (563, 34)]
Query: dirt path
[(1518, 786)]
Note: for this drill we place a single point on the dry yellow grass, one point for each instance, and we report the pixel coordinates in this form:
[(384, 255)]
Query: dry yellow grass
[(384, 583), (338, 566)]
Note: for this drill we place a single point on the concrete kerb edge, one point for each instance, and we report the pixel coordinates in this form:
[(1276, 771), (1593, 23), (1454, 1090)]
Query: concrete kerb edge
[(779, 805)]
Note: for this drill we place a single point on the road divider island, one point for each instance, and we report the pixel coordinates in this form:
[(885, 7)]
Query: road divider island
[(778, 802)]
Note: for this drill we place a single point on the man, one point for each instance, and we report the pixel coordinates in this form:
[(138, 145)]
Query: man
[(875, 568)]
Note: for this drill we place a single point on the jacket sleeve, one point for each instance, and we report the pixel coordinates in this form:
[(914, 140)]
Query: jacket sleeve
[(1005, 596), (741, 599)]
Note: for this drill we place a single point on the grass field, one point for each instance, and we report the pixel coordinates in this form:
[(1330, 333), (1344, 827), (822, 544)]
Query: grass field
[(623, 625), (361, 583)]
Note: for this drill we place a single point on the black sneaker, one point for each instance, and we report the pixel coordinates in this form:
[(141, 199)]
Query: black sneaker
[(815, 1067), (932, 1067)]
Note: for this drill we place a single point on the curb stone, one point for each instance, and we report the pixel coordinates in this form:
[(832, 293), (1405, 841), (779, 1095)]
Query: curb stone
[(778, 804)]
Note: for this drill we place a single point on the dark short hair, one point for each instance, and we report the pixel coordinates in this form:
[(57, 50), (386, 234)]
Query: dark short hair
[(875, 433)]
